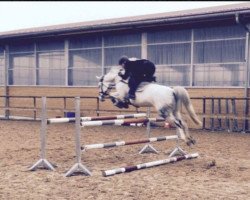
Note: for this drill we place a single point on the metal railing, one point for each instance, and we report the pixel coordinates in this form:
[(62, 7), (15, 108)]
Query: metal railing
[(225, 113), (218, 113), (7, 107)]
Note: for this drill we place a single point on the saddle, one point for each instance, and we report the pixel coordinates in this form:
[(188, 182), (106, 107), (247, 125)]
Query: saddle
[(145, 82), (142, 86)]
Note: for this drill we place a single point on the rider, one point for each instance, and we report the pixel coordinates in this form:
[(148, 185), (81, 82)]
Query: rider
[(137, 70)]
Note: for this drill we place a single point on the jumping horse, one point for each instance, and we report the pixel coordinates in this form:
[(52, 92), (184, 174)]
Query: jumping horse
[(167, 101)]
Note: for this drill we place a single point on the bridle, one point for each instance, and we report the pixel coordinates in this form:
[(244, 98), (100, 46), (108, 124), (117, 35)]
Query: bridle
[(105, 89)]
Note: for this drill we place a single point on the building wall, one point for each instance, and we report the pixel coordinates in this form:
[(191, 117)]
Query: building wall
[(203, 57)]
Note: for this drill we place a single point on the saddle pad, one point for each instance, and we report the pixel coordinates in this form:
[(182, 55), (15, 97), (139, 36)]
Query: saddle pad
[(142, 86)]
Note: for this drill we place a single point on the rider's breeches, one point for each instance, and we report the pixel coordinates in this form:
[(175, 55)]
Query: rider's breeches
[(133, 83)]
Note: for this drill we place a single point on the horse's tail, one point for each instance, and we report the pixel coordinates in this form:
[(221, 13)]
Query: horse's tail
[(182, 96)]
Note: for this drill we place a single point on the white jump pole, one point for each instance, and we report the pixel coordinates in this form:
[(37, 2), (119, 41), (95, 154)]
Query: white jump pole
[(43, 163), (147, 165), (124, 143), (78, 167), (83, 119), (120, 122)]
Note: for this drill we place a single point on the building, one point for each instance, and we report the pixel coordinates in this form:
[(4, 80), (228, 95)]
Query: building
[(206, 50)]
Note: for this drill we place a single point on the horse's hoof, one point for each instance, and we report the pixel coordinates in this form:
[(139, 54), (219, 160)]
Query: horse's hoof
[(126, 106), (191, 142), (194, 141), (119, 104)]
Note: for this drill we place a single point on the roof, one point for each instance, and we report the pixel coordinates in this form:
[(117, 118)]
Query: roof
[(90, 25)]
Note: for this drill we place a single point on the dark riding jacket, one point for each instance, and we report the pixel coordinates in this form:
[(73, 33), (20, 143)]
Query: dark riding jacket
[(141, 69)]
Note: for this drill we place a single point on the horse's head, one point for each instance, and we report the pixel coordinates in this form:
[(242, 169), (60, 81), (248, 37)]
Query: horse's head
[(104, 87), (106, 82)]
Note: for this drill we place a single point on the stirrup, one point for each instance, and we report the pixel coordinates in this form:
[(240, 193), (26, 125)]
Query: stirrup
[(127, 100), (131, 96)]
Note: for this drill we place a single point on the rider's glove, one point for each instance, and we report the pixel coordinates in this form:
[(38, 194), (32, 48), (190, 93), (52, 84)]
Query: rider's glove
[(120, 74)]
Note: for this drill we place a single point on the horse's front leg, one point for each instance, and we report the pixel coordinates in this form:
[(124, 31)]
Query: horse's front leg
[(115, 95), (117, 100), (123, 90)]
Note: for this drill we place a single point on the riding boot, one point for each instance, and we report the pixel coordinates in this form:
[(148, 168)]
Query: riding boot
[(127, 100), (131, 96)]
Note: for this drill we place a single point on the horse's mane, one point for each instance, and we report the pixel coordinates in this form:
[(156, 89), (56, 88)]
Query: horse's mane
[(116, 69), (112, 74)]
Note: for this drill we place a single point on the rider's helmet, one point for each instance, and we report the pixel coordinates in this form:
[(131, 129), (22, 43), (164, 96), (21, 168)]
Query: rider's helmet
[(123, 60)]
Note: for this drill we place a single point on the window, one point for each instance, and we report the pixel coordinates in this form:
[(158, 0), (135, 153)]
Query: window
[(85, 66), (219, 74), (22, 69), (219, 56), (173, 75), (219, 51), (112, 55), (51, 69), (115, 46), (171, 53), (85, 61), (21, 64)]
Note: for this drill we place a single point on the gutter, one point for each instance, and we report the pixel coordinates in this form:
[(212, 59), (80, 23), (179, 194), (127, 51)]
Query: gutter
[(239, 21)]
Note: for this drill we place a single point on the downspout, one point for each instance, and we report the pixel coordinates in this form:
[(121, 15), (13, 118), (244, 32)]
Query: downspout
[(238, 21), (247, 52), (6, 78)]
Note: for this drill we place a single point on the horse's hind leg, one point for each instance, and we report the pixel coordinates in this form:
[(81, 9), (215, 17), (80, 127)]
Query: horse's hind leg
[(175, 119), (168, 115), (188, 138)]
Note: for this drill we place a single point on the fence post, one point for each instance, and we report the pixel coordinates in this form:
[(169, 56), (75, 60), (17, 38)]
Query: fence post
[(212, 114), (64, 106), (7, 107), (204, 113), (235, 120), (34, 103), (245, 122), (219, 113), (227, 117), (98, 106)]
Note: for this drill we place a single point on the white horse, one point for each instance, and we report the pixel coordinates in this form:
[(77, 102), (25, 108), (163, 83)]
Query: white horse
[(166, 101)]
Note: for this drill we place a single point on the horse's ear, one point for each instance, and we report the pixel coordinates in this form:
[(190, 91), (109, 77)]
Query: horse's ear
[(100, 78)]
